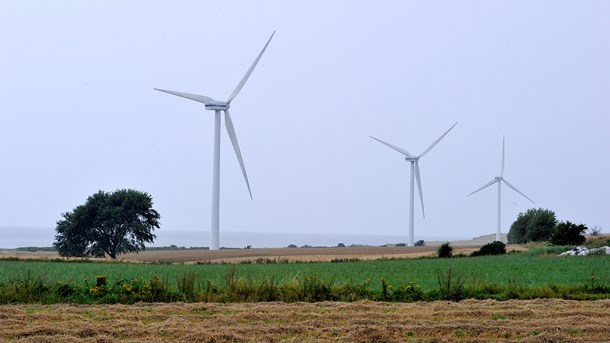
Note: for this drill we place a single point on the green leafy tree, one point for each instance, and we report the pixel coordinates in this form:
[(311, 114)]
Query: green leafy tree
[(540, 228), (535, 225), (108, 224), (568, 234)]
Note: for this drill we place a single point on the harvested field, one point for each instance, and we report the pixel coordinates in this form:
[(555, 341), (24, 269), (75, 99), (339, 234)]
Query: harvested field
[(475, 321), (290, 254)]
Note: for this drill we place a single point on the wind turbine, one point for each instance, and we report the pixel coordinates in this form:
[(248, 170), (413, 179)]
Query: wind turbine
[(217, 106), (414, 173), (499, 180)]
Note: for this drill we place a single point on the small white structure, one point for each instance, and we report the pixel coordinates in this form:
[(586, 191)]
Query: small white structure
[(582, 251)]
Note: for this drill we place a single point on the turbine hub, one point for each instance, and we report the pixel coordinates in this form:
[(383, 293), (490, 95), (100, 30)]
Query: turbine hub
[(498, 178), (217, 106)]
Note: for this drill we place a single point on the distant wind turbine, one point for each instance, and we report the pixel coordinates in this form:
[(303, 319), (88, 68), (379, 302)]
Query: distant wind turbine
[(414, 173), (499, 180), (218, 106)]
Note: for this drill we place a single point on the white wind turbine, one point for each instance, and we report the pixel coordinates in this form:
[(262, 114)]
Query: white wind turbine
[(218, 106), (499, 180), (414, 173)]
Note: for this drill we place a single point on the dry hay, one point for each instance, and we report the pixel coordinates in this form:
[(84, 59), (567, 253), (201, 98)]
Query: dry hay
[(364, 321)]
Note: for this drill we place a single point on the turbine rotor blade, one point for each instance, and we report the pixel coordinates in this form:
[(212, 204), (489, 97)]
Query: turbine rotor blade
[(502, 170), (436, 142), (485, 186), (196, 97), (241, 83), (516, 190), (421, 195), (400, 150), (233, 137)]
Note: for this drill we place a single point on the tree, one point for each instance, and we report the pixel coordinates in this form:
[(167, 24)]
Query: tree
[(108, 224), (568, 234), (535, 225), (540, 227), (595, 231)]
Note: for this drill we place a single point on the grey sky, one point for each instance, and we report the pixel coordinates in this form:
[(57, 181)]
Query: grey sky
[(79, 114)]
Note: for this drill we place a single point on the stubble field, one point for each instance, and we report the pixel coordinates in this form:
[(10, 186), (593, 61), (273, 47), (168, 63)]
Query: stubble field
[(548, 320)]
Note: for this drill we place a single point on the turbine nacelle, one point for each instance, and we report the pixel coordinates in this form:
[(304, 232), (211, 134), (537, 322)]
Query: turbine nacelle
[(412, 158), (217, 106), (499, 178)]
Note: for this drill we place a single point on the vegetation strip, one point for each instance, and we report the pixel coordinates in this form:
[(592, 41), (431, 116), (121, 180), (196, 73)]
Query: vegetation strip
[(510, 276)]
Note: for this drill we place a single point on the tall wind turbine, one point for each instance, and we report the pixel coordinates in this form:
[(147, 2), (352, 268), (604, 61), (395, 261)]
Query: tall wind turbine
[(414, 160), (499, 180), (217, 106)]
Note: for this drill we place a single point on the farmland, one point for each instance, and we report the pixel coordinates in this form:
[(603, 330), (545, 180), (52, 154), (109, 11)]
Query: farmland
[(225, 303), (520, 268), (515, 275)]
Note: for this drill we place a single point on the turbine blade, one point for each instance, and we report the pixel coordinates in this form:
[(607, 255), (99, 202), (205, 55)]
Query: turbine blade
[(485, 186), (516, 190), (233, 137), (421, 195), (199, 98), (400, 150), (436, 142), (247, 75), (502, 170)]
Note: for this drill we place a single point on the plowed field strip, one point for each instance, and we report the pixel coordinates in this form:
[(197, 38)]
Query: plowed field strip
[(470, 320)]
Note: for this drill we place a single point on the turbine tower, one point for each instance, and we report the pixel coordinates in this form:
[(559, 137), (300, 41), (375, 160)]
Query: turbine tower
[(218, 106), (499, 180), (414, 160)]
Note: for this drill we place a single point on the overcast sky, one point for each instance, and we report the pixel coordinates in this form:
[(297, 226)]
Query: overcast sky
[(78, 112)]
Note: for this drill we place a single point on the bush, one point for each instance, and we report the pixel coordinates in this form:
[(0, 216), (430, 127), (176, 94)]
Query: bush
[(493, 248), (445, 250), (420, 243), (568, 234)]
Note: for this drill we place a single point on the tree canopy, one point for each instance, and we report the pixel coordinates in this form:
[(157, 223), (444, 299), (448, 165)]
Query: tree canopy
[(109, 223), (535, 225), (567, 233)]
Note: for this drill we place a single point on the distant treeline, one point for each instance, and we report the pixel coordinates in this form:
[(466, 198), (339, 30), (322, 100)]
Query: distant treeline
[(36, 249), (175, 247)]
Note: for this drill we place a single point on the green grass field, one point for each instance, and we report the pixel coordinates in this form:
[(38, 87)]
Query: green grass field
[(516, 269)]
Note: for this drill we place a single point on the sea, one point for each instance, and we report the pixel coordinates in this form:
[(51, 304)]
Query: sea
[(11, 238)]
